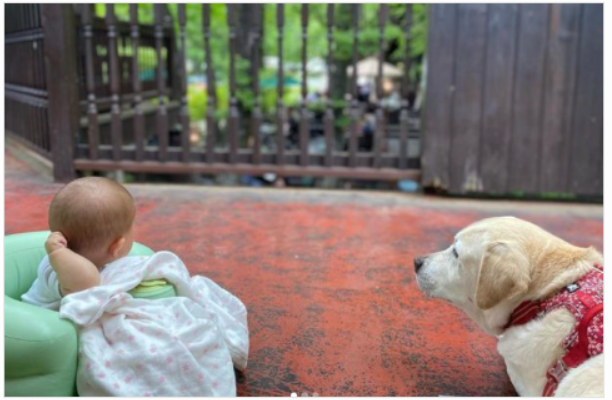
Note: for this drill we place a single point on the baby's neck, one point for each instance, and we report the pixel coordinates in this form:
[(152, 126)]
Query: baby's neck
[(99, 260)]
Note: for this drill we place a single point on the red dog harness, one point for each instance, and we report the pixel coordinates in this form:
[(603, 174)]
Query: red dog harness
[(584, 299)]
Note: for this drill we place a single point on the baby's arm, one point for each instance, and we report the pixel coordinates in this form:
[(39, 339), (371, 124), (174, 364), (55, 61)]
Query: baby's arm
[(74, 272)]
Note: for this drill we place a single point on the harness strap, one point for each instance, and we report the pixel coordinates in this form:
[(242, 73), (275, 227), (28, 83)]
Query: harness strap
[(576, 355), (578, 350), (524, 313)]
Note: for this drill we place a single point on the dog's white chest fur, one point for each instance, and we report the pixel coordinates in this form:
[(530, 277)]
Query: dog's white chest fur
[(530, 350)]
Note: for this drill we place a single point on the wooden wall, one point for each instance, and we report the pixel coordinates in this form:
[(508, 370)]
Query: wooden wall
[(514, 99)]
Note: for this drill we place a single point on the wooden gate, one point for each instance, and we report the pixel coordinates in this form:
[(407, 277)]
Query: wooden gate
[(514, 100), (105, 114)]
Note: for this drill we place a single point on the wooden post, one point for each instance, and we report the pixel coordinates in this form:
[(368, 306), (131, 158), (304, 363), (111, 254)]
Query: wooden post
[(329, 112), (379, 137), (93, 132), (184, 110), (258, 11), (404, 115), (280, 105), (232, 121), (354, 112), (139, 125), (162, 110), (210, 87), (115, 83), (304, 117), (58, 22)]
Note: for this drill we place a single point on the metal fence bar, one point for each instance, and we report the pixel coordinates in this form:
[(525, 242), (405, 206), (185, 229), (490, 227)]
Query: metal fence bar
[(404, 117), (210, 78), (139, 137), (256, 113), (232, 123), (116, 138), (184, 109), (280, 116), (379, 140), (354, 106), (329, 112), (92, 110), (304, 115), (162, 113)]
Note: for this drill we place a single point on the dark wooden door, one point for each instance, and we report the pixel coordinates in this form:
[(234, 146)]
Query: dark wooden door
[(514, 101)]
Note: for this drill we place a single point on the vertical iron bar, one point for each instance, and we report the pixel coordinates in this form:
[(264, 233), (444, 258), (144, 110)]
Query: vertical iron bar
[(114, 82), (162, 114), (304, 123), (184, 110), (280, 117), (256, 114), (210, 98), (139, 138), (404, 115), (354, 106), (329, 112), (379, 139), (232, 126), (92, 110)]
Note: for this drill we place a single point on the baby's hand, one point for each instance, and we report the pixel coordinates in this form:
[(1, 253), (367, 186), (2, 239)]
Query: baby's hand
[(55, 241)]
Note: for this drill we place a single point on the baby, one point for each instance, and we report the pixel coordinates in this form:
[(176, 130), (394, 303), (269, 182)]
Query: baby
[(91, 220), (190, 343)]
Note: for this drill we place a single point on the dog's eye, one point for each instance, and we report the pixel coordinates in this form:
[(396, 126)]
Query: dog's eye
[(455, 252)]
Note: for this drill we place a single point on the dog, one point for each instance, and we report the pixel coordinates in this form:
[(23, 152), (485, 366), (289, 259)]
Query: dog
[(530, 289)]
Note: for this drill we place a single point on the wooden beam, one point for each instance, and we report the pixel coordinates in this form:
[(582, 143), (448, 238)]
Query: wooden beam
[(172, 167), (58, 23)]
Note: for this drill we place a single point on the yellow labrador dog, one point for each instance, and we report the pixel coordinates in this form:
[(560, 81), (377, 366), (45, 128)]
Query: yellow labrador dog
[(537, 293)]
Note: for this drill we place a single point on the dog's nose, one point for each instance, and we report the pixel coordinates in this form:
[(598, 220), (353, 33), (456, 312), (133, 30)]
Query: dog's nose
[(418, 263)]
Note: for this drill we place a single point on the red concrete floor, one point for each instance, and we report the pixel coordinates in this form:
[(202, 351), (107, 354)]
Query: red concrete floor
[(327, 278)]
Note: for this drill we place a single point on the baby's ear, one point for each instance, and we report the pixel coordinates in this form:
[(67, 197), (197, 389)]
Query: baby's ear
[(116, 246)]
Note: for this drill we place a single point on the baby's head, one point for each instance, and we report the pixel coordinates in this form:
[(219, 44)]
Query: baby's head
[(96, 216)]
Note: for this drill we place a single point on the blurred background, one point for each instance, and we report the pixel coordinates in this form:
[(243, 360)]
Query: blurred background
[(479, 100)]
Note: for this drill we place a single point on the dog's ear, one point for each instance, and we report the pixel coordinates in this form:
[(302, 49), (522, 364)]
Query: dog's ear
[(504, 273)]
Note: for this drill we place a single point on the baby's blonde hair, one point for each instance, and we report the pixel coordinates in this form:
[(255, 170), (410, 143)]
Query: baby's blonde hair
[(92, 212)]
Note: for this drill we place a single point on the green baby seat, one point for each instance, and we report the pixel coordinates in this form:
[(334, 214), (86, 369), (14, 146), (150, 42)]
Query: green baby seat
[(40, 348)]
